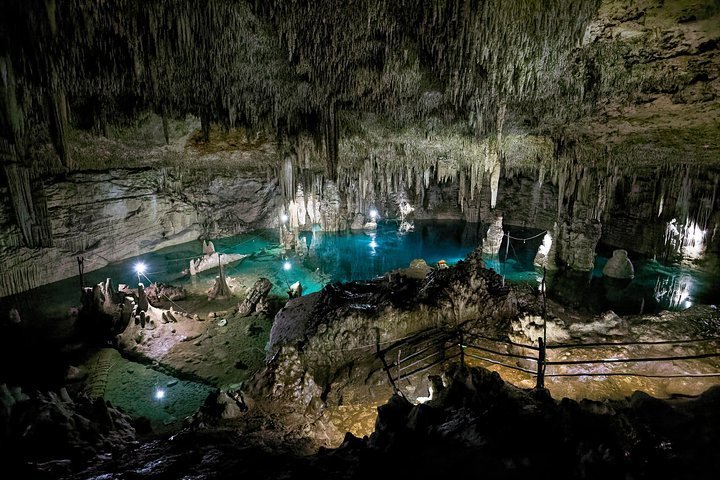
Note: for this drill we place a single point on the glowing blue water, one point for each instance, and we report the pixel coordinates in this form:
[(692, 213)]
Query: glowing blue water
[(346, 256)]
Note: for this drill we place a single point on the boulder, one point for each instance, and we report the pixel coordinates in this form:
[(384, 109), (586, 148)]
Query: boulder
[(159, 292), (619, 266), (256, 295), (295, 290)]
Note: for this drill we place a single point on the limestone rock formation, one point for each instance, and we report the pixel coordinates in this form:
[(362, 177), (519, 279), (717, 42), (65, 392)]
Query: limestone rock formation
[(608, 117), (619, 266), (214, 260), (494, 237), (93, 211), (576, 242), (255, 297), (159, 293), (543, 253), (51, 425), (295, 290), (106, 311), (472, 423), (220, 289), (327, 341)]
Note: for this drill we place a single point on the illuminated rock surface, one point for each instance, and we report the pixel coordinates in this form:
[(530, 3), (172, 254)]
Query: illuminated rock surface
[(128, 129)]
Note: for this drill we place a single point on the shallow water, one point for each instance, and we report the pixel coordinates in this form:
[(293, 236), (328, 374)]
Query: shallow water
[(141, 390), (362, 255)]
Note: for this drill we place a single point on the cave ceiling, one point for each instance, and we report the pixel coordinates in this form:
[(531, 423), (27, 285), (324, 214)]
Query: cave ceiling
[(638, 78)]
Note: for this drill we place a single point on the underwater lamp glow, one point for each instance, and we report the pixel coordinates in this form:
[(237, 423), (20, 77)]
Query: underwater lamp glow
[(140, 268), (159, 394), (287, 266)]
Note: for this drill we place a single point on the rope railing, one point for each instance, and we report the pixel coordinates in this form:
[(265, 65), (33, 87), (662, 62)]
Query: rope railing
[(611, 344), (635, 374), (635, 360), (511, 355), (431, 347), (495, 362), (528, 238), (508, 342), (446, 358), (440, 342)]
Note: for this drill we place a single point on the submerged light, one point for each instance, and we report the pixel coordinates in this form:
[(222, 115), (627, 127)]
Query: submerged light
[(159, 394), (140, 268), (287, 266)]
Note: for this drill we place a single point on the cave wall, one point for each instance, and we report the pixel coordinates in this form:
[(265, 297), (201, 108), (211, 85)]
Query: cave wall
[(107, 216), (212, 118), (111, 214)]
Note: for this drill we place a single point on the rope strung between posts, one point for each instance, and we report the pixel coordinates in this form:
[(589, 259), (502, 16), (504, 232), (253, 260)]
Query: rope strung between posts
[(528, 238), (615, 344)]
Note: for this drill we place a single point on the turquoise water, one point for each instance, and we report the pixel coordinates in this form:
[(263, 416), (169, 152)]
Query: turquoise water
[(346, 256), (141, 390)]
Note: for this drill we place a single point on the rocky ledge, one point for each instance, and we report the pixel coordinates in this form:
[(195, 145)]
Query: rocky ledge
[(473, 423)]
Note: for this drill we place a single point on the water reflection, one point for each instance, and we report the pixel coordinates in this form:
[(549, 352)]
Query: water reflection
[(323, 257), (674, 291)]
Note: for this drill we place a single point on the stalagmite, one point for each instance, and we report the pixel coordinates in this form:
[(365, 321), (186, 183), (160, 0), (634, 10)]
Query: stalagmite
[(619, 266), (220, 289), (541, 257), (494, 237)]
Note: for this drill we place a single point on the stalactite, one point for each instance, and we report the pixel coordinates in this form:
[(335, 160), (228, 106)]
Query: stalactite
[(22, 201), (330, 126), (58, 125)]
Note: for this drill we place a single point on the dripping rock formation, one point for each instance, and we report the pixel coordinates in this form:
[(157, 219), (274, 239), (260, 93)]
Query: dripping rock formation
[(599, 116)]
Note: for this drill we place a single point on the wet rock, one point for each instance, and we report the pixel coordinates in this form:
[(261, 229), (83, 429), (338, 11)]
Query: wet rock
[(421, 266), (575, 244), (541, 257), (358, 222), (619, 266), (257, 293), (142, 305), (214, 260), (159, 293), (75, 374), (607, 324), (494, 237), (48, 425), (295, 290)]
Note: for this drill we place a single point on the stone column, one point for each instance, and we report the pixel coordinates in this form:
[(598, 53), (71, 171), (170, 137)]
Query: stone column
[(493, 238), (575, 243)]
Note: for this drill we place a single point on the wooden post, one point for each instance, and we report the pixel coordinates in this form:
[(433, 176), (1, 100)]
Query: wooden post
[(544, 307), (385, 365), (398, 363), (541, 365), (507, 246)]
